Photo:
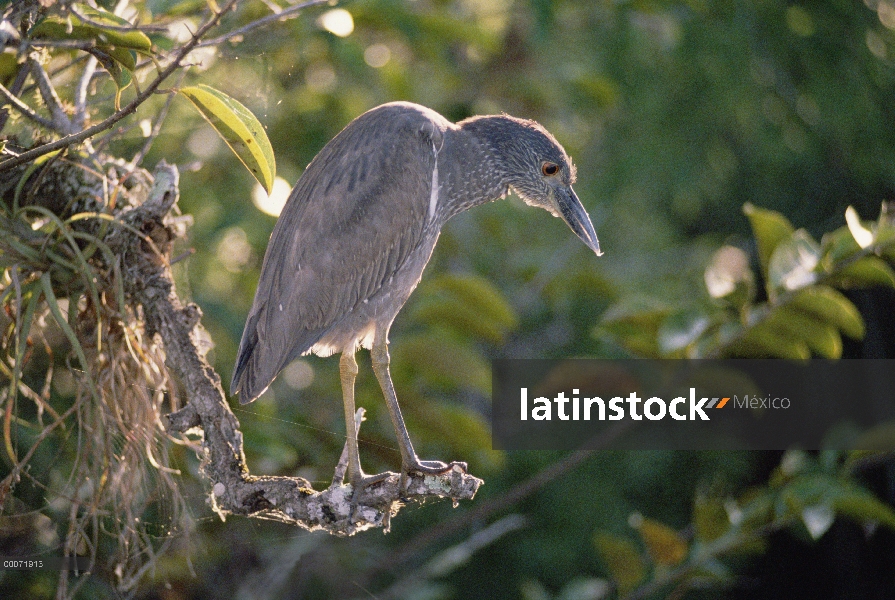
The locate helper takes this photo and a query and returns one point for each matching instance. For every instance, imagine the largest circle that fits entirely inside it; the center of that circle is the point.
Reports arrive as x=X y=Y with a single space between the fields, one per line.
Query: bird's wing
x=352 y=220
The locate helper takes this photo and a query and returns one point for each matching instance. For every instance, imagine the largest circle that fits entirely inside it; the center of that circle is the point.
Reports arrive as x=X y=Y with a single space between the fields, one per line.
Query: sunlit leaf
x=622 y=559
x=818 y=519
x=863 y=236
x=239 y=128
x=793 y=262
x=729 y=276
x=827 y=305
x=770 y=229
x=73 y=28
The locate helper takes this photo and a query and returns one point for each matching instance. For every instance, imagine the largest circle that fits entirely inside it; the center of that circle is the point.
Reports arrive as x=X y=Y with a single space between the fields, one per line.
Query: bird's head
x=537 y=168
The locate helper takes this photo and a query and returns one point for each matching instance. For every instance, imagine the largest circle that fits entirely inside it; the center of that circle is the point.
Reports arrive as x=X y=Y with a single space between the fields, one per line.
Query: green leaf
x=108 y=58
x=664 y=544
x=764 y=341
x=793 y=262
x=622 y=559
x=710 y=519
x=867 y=271
x=842 y=496
x=680 y=329
x=770 y=229
x=73 y=28
x=717 y=338
x=821 y=337
x=757 y=510
x=837 y=246
x=53 y=305
x=827 y=305
x=239 y=128
x=885 y=226
x=9 y=66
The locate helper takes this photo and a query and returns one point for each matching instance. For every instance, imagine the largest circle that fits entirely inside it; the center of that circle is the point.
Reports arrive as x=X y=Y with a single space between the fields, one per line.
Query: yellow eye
x=549 y=169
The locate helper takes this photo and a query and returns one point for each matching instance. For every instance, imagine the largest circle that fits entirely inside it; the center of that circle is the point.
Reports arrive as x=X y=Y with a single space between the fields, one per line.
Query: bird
x=358 y=229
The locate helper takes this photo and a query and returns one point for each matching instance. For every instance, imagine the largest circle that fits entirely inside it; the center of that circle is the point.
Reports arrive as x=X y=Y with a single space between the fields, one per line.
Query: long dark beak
x=576 y=218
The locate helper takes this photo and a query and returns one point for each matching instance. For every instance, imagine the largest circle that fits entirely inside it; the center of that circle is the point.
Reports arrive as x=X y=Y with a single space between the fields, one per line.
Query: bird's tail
x=245 y=380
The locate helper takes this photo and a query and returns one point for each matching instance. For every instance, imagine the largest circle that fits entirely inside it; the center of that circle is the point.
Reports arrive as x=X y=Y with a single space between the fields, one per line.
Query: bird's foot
x=433 y=467
x=362 y=481
x=428 y=467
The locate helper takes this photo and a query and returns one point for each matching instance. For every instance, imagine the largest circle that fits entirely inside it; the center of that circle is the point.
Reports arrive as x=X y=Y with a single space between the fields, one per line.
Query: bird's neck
x=481 y=180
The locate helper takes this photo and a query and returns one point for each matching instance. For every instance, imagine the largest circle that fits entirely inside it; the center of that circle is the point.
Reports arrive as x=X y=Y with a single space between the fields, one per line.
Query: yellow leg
x=409 y=460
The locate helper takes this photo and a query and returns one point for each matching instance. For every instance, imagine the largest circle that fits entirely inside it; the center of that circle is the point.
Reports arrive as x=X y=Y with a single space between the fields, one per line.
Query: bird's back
x=352 y=220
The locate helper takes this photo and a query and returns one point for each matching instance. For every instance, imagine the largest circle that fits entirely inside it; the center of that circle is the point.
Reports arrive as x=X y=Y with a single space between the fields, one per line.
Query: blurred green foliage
x=677 y=113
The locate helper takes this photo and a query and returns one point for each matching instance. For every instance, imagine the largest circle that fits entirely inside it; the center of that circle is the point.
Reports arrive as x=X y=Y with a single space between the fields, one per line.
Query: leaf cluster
x=800 y=312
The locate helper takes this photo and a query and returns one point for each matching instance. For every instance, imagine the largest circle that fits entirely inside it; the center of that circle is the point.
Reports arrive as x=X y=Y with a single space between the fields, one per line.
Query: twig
x=107 y=123
x=284 y=15
x=156 y=127
x=81 y=92
x=73 y=44
x=25 y=110
x=15 y=89
x=61 y=122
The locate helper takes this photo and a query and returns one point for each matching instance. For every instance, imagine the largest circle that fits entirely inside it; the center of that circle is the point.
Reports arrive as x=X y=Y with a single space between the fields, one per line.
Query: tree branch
x=283 y=15
x=75 y=138
x=26 y=110
x=234 y=489
x=51 y=99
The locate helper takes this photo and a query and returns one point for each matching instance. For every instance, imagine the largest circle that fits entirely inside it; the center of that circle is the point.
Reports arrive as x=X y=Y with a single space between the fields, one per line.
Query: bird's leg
x=409 y=459
x=356 y=476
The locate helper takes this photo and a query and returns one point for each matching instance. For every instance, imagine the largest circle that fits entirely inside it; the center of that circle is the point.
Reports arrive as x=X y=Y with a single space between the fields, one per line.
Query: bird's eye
x=549 y=169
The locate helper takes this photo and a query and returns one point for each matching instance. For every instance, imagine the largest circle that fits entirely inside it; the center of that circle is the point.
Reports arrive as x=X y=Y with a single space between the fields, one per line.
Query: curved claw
x=433 y=467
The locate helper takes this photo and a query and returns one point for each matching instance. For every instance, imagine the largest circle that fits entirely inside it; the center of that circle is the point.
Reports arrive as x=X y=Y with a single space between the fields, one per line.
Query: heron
x=358 y=229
